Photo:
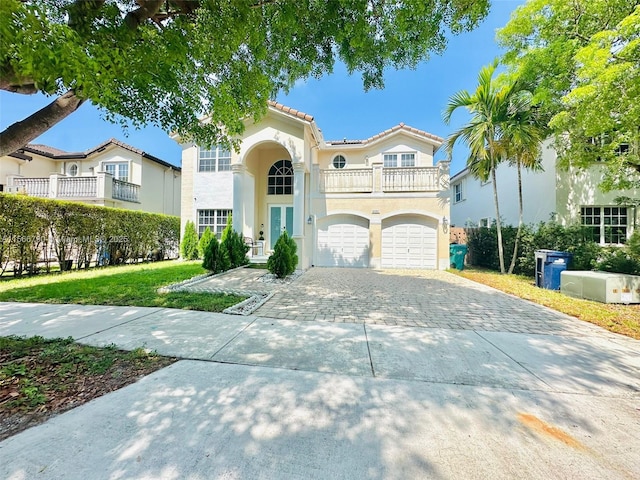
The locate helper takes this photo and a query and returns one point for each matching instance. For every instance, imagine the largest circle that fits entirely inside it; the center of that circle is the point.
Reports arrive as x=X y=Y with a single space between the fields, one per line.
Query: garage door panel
x=408 y=245
x=343 y=245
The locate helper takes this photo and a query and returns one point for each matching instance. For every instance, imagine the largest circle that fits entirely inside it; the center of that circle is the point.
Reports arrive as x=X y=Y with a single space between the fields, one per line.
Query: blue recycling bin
x=549 y=265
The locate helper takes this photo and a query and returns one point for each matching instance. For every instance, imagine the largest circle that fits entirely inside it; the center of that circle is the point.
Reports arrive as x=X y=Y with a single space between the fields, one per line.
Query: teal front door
x=280 y=218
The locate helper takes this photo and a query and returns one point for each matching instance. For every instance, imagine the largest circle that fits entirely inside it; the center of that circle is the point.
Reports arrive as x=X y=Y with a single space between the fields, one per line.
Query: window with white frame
x=390 y=160
x=408 y=160
x=72 y=169
x=457 y=192
x=119 y=171
x=215 y=219
x=215 y=159
x=485 y=222
x=608 y=225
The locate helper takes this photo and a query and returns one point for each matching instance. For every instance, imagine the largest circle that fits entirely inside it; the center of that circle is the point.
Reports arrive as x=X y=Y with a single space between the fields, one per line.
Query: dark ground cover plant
x=40 y=378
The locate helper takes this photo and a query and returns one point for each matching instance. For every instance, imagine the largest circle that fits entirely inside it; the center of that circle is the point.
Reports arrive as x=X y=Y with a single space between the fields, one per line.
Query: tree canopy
x=582 y=61
x=168 y=62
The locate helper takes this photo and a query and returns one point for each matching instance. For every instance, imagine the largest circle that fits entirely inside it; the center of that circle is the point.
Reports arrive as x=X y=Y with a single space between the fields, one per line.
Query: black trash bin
x=549 y=264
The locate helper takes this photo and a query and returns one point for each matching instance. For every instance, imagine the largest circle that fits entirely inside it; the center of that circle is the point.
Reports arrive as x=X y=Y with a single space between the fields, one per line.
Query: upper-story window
x=119 y=171
x=457 y=193
x=391 y=160
x=280 y=178
x=72 y=170
x=339 y=161
x=216 y=159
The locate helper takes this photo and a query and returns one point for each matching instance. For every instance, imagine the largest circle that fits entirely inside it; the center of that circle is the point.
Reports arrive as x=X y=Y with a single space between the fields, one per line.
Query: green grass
x=131 y=285
x=623 y=319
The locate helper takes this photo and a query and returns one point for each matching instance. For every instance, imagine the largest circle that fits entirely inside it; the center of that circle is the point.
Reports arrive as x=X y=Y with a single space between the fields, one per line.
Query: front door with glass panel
x=280 y=218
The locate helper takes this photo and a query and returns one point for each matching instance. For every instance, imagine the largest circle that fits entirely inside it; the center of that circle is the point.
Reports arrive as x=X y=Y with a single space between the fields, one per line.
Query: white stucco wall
x=538 y=194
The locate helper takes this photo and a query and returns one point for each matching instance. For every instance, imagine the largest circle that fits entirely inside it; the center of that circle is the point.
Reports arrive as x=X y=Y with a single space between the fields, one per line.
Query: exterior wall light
x=310 y=220
x=445 y=224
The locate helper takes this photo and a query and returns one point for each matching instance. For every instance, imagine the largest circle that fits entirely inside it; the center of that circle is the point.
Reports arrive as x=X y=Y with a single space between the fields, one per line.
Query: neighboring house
x=112 y=174
x=379 y=202
x=569 y=196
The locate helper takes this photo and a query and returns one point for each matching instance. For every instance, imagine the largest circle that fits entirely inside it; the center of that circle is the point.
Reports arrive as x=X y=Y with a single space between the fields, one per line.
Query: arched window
x=72 y=170
x=280 y=179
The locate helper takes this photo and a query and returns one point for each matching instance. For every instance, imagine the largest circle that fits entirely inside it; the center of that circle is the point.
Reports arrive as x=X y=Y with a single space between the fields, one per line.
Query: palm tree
x=523 y=134
x=490 y=108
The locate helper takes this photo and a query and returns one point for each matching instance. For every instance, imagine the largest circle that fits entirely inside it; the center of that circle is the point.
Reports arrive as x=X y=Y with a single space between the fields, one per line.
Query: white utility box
x=602 y=287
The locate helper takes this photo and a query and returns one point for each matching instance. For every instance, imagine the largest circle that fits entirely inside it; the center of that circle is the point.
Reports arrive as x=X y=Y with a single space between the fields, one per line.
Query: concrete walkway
x=280 y=398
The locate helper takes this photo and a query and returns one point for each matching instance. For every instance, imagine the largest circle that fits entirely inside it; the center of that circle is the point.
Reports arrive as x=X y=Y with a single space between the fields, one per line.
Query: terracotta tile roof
x=58 y=154
x=291 y=111
x=400 y=126
x=46 y=149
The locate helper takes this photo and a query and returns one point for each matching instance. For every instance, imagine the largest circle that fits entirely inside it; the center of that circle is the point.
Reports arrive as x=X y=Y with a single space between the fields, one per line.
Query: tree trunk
x=520 y=215
x=498 y=226
x=20 y=133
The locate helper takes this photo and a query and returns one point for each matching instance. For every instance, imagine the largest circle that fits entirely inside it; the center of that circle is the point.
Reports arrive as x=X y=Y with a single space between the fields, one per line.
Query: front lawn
x=623 y=319
x=40 y=378
x=130 y=285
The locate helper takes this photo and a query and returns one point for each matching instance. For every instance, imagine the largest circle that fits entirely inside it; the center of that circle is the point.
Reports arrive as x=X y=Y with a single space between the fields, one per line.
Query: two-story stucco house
x=379 y=202
x=112 y=174
x=570 y=197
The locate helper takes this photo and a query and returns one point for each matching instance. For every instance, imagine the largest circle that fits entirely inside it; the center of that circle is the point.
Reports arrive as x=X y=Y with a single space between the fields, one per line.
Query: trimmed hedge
x=35 y=232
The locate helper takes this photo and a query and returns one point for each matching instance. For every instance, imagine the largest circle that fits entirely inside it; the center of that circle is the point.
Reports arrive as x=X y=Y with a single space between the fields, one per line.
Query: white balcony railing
x=346 y=180
x=126 y=191
x=378 y=179
x=410 y=179
x=77 y=187
x=101 y=186
x=35 y=187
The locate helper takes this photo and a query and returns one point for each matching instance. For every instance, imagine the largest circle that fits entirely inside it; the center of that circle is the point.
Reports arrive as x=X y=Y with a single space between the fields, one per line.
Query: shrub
x=283 y=260
x=618 y=260
x=204 y=241
x=233 y=244
x=189 y=244
x=216 y=259
x=483 y=250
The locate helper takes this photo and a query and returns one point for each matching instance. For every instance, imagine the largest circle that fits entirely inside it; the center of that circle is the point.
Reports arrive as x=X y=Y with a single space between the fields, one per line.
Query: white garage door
x=409 y=245
x=343 y=245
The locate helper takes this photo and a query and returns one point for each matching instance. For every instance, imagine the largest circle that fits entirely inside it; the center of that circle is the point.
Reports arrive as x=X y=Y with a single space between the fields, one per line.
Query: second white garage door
x=342 y=245
x=409 y=245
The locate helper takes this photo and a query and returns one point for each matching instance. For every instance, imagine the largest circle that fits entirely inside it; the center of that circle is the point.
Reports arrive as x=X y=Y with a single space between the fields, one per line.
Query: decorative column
x=238 y=197
x=298 y=200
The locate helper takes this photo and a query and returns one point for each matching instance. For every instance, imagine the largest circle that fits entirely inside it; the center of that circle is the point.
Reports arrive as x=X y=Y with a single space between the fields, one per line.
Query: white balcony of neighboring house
x=380 y=179
x=101 y=186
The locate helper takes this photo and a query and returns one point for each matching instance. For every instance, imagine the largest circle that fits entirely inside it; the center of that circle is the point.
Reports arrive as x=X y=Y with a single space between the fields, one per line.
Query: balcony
x=100 y=187
x=349 y=181
x=386 y=180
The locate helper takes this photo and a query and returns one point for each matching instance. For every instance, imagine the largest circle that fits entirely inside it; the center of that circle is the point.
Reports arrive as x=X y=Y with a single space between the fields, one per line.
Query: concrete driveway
x=467 y=383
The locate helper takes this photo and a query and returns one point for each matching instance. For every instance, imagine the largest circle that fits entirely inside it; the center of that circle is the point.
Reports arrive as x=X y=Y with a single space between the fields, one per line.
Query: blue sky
x=338 y=102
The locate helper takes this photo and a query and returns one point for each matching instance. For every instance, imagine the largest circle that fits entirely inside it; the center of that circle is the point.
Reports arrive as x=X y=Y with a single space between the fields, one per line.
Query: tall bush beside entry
x=189 y=244
x=204 y=241
x=216 y=259
x=283 y=260
x=233 y=243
